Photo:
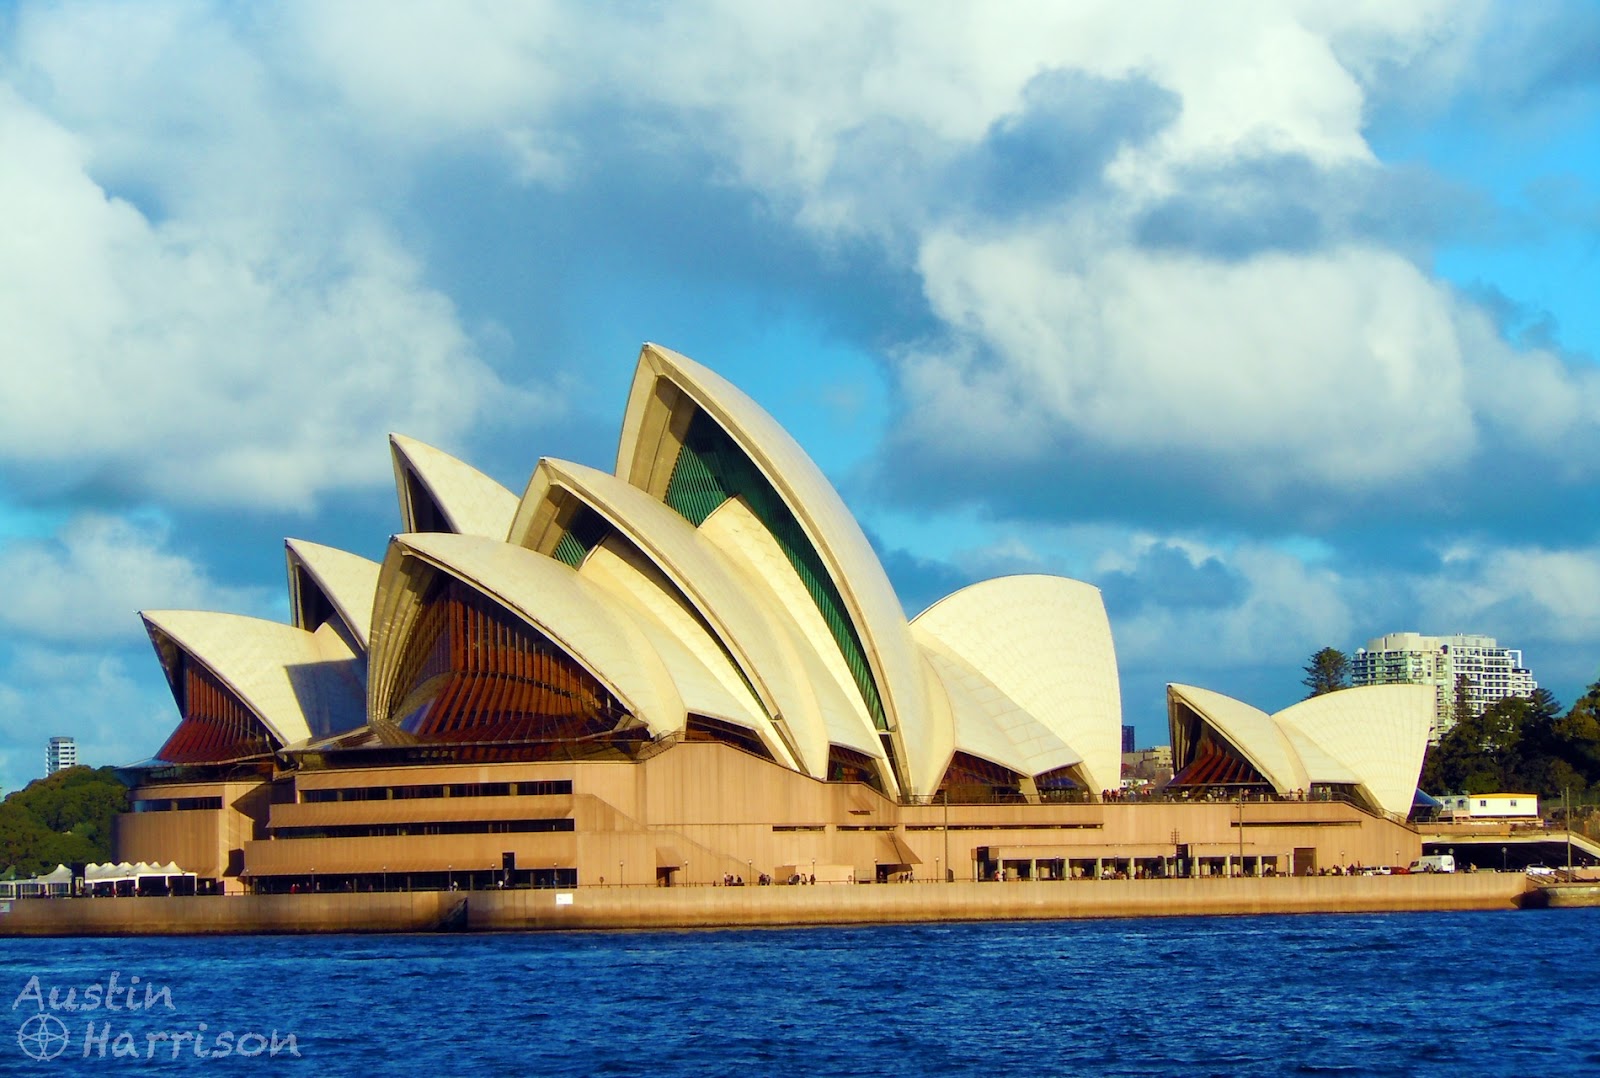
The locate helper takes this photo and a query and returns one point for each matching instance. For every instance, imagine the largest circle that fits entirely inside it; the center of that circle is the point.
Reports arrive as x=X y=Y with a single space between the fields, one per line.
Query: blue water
x=1452 y=994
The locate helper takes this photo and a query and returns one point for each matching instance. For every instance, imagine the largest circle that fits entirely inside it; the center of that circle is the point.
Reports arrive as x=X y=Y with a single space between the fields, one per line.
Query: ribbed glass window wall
x=476 y=672
x=217 y=727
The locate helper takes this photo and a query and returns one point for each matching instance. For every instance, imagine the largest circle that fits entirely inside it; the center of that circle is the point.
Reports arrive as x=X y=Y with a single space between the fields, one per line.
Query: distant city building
x=62 y=752
x=1127 y=739
x=1147 y=766
x=1491 y=672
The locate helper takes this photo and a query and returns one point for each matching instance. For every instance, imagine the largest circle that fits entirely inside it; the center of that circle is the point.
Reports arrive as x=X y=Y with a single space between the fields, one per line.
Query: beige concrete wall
x=725 y=907
x=719 y=811
x=227 y=914
x=460 y=853
x=207 y=842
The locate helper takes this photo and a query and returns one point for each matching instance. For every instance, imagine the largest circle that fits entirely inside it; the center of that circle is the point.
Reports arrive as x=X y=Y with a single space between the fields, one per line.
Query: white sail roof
x=1251 y=731
x=1377 y=732
x=1045 y=642
x=1372 y=738
x=298 y=684
x=349 y=582
x=648 y=450
x=991 y=725
x=739 y=614
x=470 y=502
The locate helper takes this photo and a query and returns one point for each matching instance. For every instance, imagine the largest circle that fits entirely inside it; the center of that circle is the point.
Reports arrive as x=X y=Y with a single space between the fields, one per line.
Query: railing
x=1166 y=796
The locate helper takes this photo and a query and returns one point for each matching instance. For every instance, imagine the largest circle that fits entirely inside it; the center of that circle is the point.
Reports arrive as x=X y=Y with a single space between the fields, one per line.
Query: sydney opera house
x=695 y=669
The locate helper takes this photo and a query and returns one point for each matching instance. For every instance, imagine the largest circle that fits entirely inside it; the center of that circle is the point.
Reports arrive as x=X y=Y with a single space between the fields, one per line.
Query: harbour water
x=1444 y=994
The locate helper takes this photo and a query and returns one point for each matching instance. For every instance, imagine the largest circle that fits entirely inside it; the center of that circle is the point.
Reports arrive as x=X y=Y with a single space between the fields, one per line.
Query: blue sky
x=1275 y=322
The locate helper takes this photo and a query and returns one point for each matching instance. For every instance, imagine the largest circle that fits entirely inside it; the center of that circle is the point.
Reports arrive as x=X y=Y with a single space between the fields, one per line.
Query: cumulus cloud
x=86 y=584
x=1153 y=235
x=1525 y=593
x=1258 y=606
x=1340 y=369
x=1166 y=574
x=1240 y=295
x=207 y=335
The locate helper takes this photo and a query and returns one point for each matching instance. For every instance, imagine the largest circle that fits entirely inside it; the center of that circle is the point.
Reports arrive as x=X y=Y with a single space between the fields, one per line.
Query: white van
x=1434 y=862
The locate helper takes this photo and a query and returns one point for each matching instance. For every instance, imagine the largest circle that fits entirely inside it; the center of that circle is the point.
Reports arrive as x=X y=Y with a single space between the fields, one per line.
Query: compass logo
x=129 y=1018
x=43 y=1037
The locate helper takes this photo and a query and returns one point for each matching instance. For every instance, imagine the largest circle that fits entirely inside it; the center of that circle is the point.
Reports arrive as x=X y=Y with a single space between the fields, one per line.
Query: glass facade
x=217 y=727
x=473 y=671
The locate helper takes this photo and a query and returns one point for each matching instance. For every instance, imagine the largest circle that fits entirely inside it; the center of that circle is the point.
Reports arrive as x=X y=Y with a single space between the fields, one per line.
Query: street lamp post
x=1503 y=859
x=947 y=832
x=619 y=873
x=1240 y=872
x=1566 y=814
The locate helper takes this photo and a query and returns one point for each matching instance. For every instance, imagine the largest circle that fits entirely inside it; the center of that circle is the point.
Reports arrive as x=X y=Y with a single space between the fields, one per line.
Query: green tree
x=1576 y=737
x=1328 y=671
x=1463 y=700
x=60 y=819
x=1520 y=744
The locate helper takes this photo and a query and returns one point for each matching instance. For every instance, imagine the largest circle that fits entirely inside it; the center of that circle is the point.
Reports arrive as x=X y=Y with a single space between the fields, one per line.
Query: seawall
x=743 y=907
x=1564 y=895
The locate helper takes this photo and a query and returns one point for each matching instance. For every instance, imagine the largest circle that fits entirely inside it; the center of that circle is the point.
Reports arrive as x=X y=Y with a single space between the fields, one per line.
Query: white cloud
x=1285 y=611
x=1521 y=593
x=87 y=583
x=424 y=73
x=1532 y=399
x=775 y=91
x=267 y=353
x=249 y=330
x=1342 y=369
x=116 y=718
x=1543 y=601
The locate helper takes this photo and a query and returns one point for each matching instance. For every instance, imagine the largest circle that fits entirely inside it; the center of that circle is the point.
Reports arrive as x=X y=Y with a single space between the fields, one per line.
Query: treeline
x=60 y=819
x=1521 y=745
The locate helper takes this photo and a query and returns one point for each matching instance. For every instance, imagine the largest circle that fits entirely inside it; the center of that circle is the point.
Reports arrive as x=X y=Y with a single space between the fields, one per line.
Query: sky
x=1276 y=322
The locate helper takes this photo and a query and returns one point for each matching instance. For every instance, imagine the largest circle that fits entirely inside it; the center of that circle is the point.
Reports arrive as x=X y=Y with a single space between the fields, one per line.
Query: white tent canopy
x=57 y=881
x=112 y=873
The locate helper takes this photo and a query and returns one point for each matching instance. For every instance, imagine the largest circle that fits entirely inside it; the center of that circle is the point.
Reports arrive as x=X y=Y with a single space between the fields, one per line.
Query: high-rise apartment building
x=62 y=752
x=1491 y=672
